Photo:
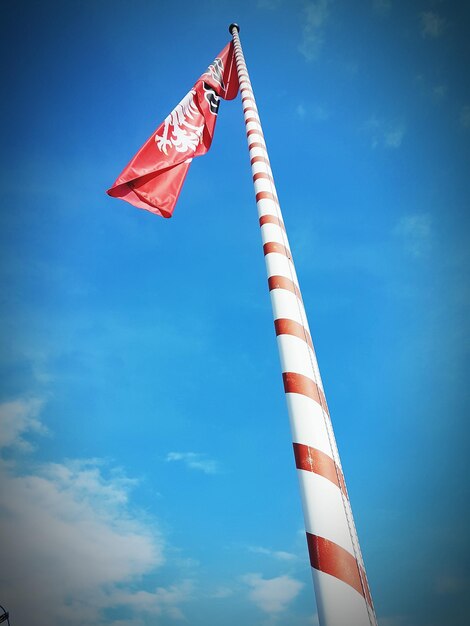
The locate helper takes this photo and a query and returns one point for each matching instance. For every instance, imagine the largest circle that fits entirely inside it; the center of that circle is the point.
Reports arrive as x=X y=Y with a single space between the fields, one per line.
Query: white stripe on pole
x=341 y=588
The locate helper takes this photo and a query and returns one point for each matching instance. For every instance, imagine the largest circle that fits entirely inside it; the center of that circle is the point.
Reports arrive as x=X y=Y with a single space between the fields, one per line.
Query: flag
x=154 y=177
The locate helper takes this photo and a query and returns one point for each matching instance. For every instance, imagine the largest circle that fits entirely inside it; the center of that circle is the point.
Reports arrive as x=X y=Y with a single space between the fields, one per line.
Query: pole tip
x=232 y=26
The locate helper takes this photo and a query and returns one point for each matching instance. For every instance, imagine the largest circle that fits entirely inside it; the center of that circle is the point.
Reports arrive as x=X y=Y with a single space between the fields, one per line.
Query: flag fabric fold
x=155 y=175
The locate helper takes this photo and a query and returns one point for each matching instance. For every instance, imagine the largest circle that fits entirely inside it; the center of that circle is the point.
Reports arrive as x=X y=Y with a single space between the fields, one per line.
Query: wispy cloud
x=384 y=134
x=280 y=555
x=195 y=461
x=394 y=137
x=432 y=25
x=17 y=419
x=221 y=592
x=450 y=584
x=316 y=112
x=161 y=601
x=316 y=14
x=430 y=88
x=272 y=595
x=73 y=544
x=272 y=5
x=415 y=232
x=382 y=6
x=439 y=91
x=465 y=116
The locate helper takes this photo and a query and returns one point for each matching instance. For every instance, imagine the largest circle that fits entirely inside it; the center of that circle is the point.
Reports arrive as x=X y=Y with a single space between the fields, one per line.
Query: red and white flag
x=154 y=177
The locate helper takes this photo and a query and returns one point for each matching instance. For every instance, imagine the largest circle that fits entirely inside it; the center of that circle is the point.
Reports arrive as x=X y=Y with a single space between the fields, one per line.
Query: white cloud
x=195 y=460
x=431 y=24
x=316 y=14
x=17 y=419
x=280 y=555
x=272 y=595
x=161 y=601
x=73 y=544
x=415 y=232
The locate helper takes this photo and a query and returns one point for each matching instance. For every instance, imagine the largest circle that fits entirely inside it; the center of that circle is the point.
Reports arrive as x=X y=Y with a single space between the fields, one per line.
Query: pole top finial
x=232 y=26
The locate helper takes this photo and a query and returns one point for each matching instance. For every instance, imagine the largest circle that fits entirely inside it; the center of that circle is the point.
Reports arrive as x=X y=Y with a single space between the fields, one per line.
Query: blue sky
x=147 y=467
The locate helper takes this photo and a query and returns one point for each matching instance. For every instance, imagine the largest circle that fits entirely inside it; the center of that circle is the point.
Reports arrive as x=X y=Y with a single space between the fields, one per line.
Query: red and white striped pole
x=341 y=588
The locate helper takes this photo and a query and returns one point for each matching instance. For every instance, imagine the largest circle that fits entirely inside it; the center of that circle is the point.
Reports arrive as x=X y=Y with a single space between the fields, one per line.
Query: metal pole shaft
x=340 y=582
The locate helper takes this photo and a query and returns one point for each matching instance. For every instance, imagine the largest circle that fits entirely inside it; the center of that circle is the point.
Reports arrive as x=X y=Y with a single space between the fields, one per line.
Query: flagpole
x=339 y=576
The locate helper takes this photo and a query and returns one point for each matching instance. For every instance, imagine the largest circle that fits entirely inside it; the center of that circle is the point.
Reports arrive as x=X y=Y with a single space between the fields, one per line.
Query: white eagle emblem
x=184 y=135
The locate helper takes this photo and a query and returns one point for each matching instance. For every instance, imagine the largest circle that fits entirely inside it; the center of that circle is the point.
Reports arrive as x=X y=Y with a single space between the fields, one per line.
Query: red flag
x=154 y=177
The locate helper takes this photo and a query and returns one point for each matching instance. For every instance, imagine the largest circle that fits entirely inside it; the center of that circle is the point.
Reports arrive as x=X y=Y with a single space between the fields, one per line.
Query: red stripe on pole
x=266 y=195
x=263 y=175
x=256 y=144
x=271 y=219
x=313 y=460
x=246 y=109
x=298 y=383
x=259 y=159
x=285 y=326
x=252 y=119
x=330 y=558
x=274 y=246
x=254 y=131
x=281 y=282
